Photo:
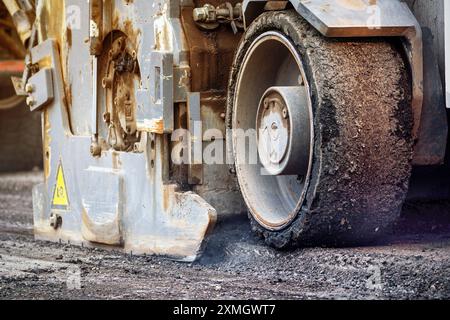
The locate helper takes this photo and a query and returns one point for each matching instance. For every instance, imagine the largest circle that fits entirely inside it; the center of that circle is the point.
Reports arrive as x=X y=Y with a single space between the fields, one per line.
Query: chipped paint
x=47 y=139
x=163 y=31
x=152 y=126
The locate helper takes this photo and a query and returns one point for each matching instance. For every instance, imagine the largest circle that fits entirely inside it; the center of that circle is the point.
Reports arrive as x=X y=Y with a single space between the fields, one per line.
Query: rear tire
x=360 y=95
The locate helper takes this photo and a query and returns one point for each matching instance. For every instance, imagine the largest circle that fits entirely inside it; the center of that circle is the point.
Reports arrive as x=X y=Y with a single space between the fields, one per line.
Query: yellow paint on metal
x=60 y=197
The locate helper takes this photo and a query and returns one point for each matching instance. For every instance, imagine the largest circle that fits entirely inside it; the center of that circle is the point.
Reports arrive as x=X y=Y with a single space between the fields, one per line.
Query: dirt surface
x=412 y=263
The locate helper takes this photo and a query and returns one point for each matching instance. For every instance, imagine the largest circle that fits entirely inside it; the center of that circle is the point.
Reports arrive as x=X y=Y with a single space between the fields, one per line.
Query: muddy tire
x=359 y=93
x=20 y=135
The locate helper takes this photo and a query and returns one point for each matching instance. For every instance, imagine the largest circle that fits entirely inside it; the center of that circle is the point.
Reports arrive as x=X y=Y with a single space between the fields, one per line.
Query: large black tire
x=361 y=92
x=20 y=135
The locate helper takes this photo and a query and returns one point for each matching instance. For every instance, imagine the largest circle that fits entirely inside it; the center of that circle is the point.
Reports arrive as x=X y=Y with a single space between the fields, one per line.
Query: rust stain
x=46 y=62
x=210 y=53
x=116 y=162
x=166 y=197
x=118 y=88
x=53 y=26
x=152 y=126
x=132 y=33
x=125 y=26
x=69 y=37
x=157 y=126
x=53 y=20
x=46 y=144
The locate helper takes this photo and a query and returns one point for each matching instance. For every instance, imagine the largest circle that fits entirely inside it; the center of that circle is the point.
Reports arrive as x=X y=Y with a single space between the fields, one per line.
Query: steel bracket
x=40 y=89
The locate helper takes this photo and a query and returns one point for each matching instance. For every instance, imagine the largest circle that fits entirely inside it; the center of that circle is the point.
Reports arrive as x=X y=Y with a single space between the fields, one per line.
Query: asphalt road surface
x=413 y=263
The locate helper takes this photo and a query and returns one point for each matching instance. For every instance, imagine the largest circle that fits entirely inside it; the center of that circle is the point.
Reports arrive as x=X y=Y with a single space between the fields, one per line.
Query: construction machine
x=158 y=116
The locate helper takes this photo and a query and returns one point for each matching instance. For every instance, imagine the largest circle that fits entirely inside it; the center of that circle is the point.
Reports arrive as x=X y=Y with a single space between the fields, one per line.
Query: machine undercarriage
x=159 y=115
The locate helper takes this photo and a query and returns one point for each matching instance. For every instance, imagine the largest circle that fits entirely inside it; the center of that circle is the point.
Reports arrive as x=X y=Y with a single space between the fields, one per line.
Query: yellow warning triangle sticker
x=60 y=198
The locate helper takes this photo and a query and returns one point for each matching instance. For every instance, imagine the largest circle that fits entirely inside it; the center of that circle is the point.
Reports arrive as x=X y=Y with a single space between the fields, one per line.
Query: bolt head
x=199 y=14
x=30 y=101
x=95 y=149
x=29 y=88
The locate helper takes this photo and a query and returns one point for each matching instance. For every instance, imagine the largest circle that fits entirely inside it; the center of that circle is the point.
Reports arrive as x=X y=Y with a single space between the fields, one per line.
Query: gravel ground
x=414 y=263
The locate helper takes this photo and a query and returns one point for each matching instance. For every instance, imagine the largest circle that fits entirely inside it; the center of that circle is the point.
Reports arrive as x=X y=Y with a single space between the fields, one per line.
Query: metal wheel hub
x=280 y=120
x=273 y=99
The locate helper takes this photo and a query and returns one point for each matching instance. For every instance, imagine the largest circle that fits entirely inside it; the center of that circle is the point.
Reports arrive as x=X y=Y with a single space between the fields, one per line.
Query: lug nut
x=207 y=13
x=200 y=14
x=55 y=220
x=29 y=88
x=30 y=101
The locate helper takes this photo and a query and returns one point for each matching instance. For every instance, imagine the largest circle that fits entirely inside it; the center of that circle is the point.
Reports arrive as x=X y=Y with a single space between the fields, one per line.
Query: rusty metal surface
x=145 y=210
x=119 y=73
x=96 y=26
x=212 y=49
x=153 y=211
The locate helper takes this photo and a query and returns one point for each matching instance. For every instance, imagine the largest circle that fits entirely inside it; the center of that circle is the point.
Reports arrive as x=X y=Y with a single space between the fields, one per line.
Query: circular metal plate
x=273 y=66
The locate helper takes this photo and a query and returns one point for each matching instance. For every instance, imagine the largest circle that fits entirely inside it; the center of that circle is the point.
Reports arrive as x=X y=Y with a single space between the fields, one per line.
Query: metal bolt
x=55 y=220
x=96 y=150
x=200 y=14
x=107 y=83
x=137 y=147
x=274 y=126
x=285 y=113
x=29 y=88
x=30 y=101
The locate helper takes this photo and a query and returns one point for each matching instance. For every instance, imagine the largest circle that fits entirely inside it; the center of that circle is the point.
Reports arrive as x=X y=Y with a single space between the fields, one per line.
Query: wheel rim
x=272 y=113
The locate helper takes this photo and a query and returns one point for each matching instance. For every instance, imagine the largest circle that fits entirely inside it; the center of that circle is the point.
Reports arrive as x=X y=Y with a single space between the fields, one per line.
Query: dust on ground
x=413 y=263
